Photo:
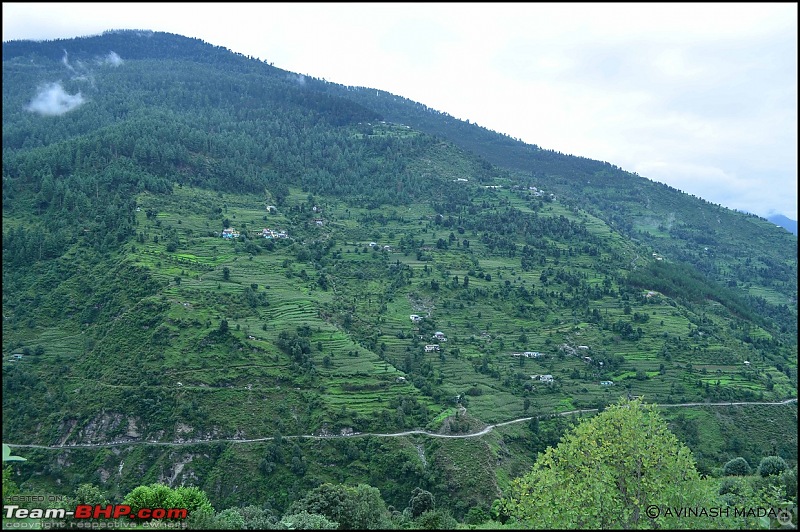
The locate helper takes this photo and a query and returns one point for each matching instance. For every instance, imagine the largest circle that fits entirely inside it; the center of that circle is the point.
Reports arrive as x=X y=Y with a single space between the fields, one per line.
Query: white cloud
x=53 y=100
x=112 y=59
x=65 y=60
x=297 y=78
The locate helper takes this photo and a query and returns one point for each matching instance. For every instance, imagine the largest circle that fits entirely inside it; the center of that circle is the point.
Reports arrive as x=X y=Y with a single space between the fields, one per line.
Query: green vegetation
x=624 y=469
x=620 y=468
x=606 y=473
x=555 y=283
x=737 y=466
x=771 y=465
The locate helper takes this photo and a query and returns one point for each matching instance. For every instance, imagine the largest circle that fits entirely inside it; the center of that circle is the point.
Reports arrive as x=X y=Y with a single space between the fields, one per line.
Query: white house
x=271 y=233
x=415 y=318
x=439 y=335
x=606 y=383
x=431 y=347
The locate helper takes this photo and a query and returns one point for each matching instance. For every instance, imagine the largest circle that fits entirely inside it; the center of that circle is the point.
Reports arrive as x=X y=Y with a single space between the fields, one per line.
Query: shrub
x=771 y=465
x=230 y=519
x=307 y=521
x=738 y=466
x=421 y=501
x=790 y=482
x=435 y=520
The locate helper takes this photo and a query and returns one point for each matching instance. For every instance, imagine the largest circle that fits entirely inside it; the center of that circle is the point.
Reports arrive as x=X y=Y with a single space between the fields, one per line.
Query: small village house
x=230 y=233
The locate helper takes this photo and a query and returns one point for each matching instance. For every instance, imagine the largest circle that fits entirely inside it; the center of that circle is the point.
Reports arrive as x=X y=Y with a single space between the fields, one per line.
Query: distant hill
x=787 y=223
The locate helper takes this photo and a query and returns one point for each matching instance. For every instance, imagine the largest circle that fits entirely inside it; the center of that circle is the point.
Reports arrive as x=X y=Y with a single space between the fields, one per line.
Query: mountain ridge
x=785 y=222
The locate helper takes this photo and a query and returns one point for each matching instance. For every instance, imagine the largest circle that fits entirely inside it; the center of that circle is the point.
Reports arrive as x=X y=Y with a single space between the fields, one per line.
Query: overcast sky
x=700 y=96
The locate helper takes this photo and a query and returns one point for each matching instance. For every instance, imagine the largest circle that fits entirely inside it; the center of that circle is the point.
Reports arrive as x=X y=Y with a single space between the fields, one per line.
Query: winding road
x=479 y=433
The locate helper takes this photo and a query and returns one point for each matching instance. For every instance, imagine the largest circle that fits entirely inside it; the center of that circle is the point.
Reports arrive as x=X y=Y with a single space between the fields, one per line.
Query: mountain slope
x=673 y=223
x=135 y=320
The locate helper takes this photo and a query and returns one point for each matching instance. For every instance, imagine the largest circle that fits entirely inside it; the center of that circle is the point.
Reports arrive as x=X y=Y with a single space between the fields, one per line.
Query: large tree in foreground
x=621 y=469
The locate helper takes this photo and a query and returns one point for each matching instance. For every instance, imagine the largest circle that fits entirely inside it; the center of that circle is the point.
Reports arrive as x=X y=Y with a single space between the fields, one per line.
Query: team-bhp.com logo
x=115 y=511
x=94 y=511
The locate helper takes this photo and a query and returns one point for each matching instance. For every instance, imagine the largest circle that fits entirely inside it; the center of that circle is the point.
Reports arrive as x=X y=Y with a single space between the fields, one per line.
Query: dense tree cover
x=683 y=281
x=253 y=132
x=353 y=508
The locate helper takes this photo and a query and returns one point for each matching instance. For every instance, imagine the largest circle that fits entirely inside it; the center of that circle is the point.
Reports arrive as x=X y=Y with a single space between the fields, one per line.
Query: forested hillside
x=200 y=249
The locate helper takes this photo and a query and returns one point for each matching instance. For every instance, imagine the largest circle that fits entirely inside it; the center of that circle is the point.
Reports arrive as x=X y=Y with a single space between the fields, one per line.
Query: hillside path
x=479 y=433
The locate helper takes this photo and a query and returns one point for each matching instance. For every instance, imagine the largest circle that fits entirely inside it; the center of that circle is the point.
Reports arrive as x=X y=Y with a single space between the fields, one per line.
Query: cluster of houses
x=375 y=245
x=539 y=193
x=271 y=233
x=231 y=233
x=438 y=335
x=528 y=354
x=548 y=379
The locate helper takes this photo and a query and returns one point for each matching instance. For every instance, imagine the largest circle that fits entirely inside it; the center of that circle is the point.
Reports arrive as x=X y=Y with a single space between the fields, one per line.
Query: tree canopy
x=609 y=472
x=354 y=508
